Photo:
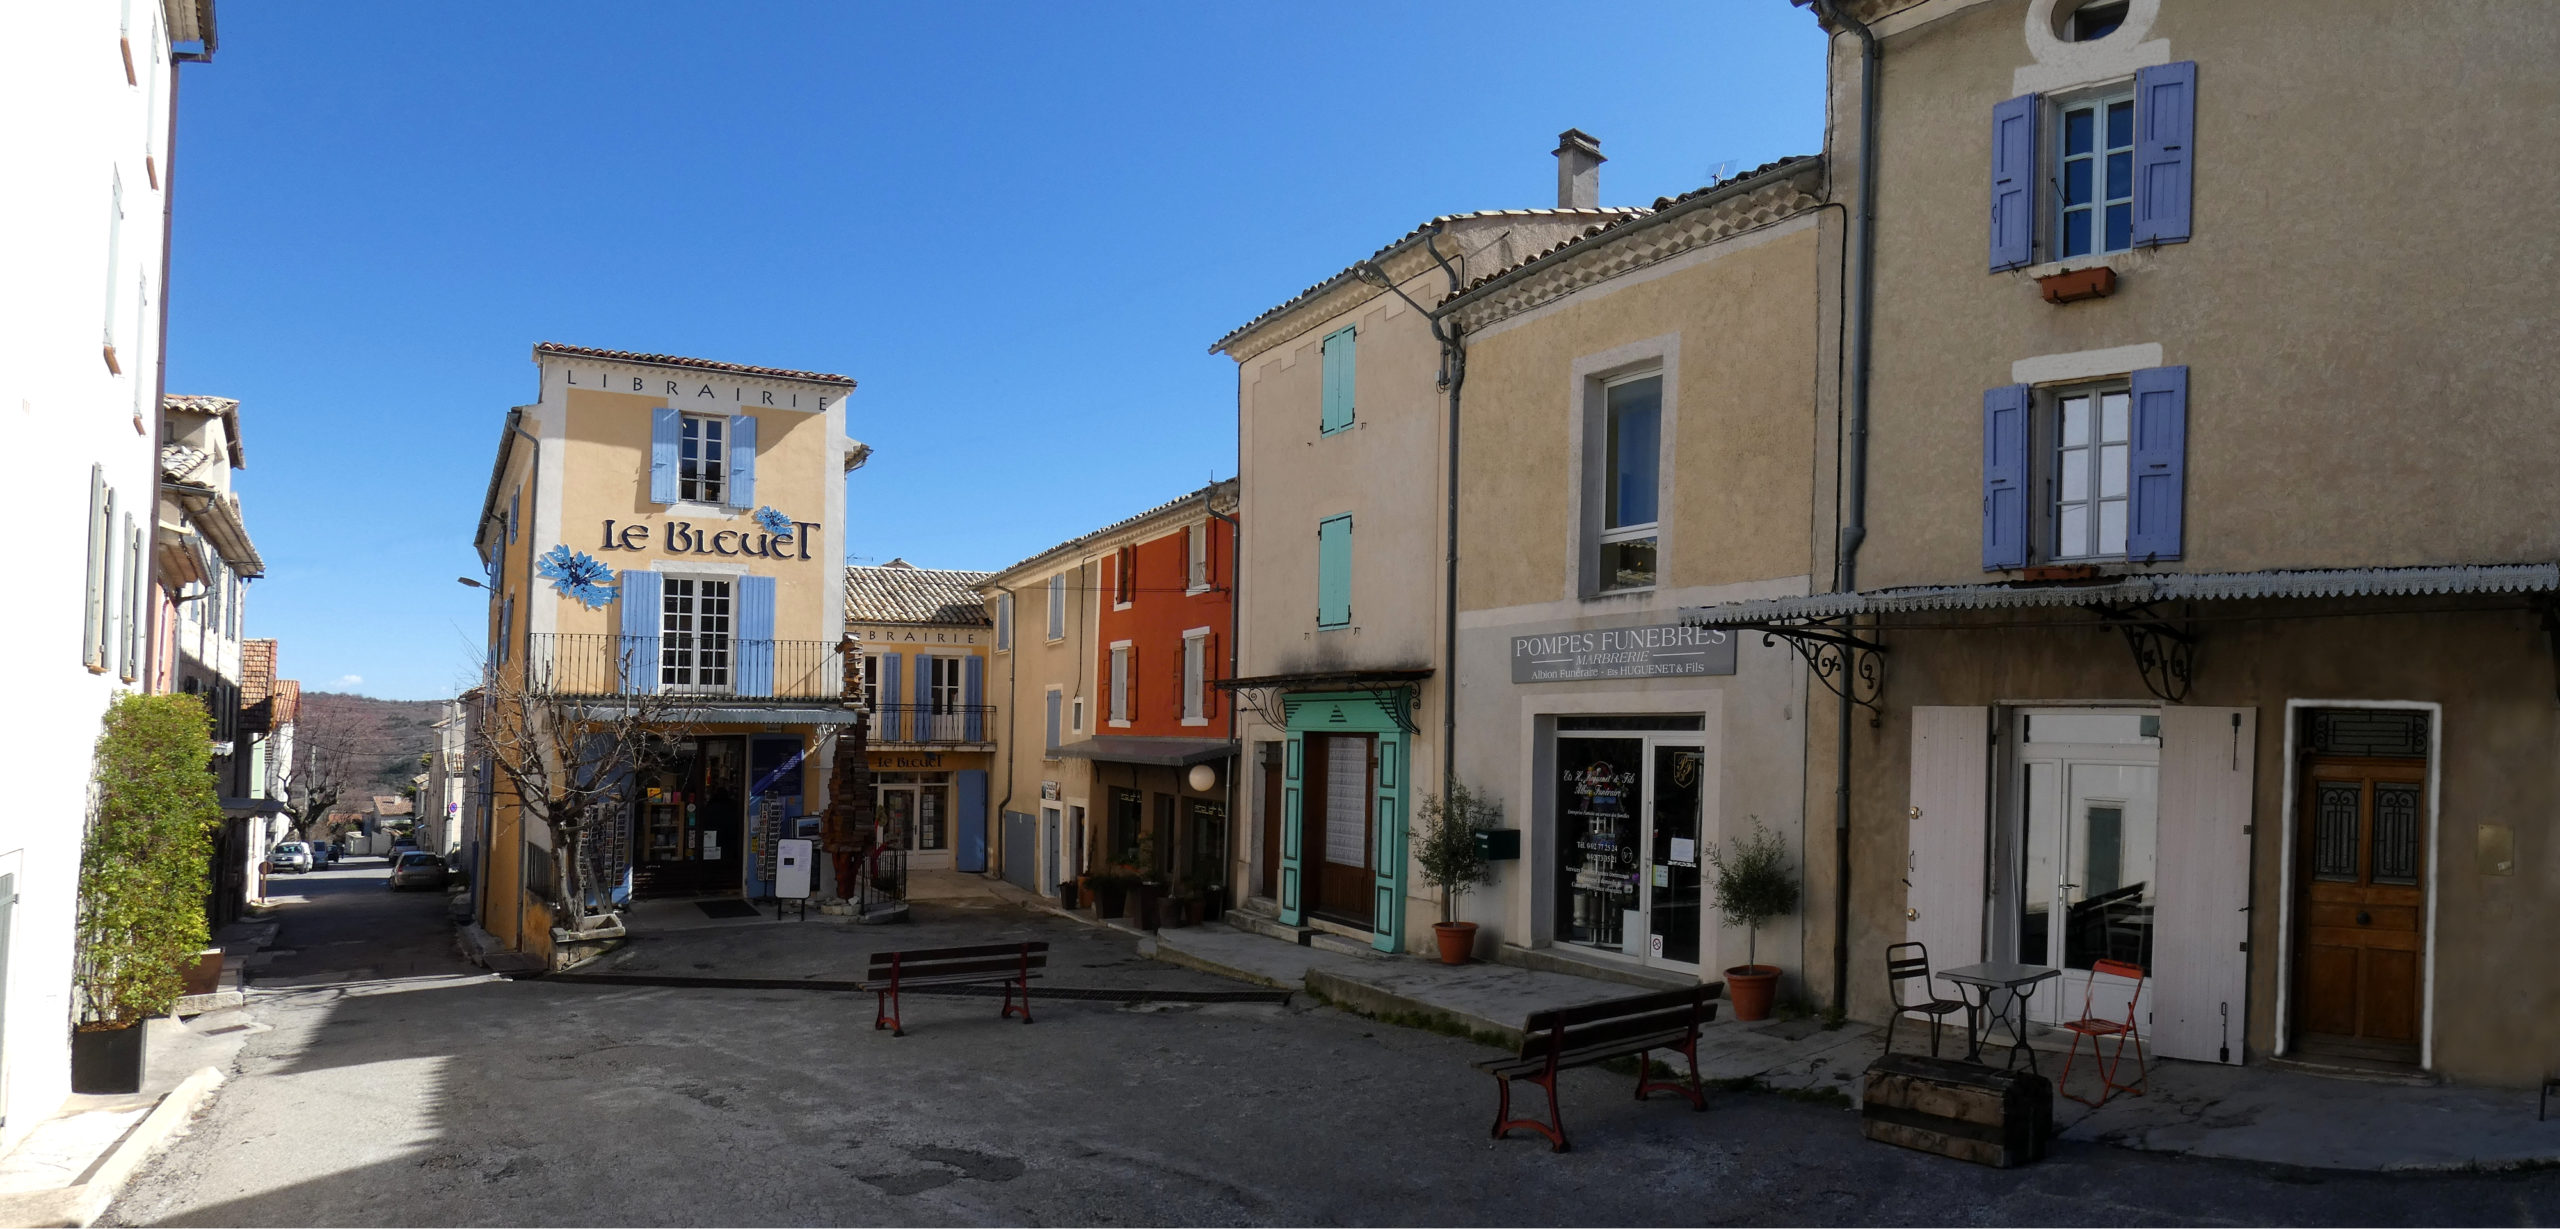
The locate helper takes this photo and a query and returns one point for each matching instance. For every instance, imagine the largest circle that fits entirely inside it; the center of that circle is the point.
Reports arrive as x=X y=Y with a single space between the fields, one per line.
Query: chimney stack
x=1577 y=169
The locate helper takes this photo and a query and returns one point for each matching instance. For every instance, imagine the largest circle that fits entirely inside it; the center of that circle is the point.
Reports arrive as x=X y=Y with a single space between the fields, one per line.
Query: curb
x=1393 y=1008
x=83 y=1203
x=1158 y=949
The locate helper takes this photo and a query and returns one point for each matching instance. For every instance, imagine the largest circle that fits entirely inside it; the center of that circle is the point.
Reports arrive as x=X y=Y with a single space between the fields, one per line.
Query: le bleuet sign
x=687 y=538
x=1662 y=651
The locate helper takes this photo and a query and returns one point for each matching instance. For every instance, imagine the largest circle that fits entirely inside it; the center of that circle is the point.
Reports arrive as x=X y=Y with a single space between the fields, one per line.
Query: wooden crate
x=1959 y=1109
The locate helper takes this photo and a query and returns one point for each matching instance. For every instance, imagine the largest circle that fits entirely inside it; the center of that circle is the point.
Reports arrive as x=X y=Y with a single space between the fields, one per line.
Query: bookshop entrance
x=692 y=806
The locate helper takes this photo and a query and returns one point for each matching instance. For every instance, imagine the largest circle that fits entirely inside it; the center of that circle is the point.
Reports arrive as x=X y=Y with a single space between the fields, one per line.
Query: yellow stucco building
x=668 y=527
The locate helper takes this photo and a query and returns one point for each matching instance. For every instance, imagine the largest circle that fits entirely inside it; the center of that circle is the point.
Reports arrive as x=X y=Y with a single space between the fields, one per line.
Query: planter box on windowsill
x=2094 y=282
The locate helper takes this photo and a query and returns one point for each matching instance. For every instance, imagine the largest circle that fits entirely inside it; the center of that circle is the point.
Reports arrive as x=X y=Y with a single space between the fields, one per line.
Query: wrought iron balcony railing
x=930 y=724
x=717 y=668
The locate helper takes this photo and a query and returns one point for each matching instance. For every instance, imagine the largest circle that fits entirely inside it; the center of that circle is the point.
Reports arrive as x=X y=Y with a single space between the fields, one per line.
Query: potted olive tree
x=1753 y=887
x=143 y=879
x=1446 y=851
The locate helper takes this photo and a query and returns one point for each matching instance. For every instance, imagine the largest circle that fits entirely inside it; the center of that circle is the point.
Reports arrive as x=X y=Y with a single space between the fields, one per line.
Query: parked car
x=290 y=856
x=414 y=869
x=321 y=857
x=401 y=845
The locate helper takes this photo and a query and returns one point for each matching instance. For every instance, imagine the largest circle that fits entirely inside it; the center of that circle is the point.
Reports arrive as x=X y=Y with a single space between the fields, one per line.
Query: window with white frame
x=1195 y=675
x=1058 y=606
x=1630 y=476
x=2093 y=175
x=1196 y=540
x=1075 y=715
x=942 y=688
x=694 y=631
x=871 y=682
x=704 y=459
x=1123 y=668
x=2092 y=465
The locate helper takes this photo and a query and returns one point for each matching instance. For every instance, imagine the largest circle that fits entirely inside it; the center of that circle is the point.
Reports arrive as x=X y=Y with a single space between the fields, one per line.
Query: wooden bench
x=1011 y=965
x=1565 y=1037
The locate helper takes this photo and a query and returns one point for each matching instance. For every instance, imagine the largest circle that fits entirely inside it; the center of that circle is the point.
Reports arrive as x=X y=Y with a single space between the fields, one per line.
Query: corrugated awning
x=1148 y=749
x=2137 y=590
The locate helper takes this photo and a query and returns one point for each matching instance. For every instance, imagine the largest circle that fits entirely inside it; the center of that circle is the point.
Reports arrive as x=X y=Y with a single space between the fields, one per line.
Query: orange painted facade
x=1153 y=600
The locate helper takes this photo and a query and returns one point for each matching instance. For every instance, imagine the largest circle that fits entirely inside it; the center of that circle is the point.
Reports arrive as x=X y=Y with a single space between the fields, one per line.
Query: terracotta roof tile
x=257 y=671
x=703 y=364
x=1221 y=493
x=900 y=592
x=1661 y=205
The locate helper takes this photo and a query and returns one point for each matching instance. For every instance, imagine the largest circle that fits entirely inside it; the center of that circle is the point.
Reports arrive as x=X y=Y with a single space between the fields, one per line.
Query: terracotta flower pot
x=1751 y=988
x=1457 y=941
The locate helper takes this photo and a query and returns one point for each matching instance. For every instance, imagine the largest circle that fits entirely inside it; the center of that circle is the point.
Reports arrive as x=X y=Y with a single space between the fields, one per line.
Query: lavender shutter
x=666 y=436
x=754 y=641
x=892 y=727
x=2013 y=183
x=641 y=596
x=973 y=686
x=2164 y=133
x=2156 y=512
x=2004 y=478
x=742 y=461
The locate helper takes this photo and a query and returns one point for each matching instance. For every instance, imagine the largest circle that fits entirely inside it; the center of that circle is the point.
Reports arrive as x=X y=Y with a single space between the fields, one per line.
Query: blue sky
x=1018 y=228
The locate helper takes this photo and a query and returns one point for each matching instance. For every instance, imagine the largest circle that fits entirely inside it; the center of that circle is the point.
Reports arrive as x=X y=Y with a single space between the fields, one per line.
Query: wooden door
x=1271 y=818
x=1341 y=789
x=2362 y=945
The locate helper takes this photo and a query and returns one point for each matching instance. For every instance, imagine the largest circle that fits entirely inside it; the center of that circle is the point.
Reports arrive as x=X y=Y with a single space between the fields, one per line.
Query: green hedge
x=144 y=866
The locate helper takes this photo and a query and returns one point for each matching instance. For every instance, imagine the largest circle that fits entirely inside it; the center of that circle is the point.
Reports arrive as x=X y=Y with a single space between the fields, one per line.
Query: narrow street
x=390 y=1083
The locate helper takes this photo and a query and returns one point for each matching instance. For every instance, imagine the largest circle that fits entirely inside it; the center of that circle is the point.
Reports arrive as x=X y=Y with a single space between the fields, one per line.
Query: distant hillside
x=369 y=746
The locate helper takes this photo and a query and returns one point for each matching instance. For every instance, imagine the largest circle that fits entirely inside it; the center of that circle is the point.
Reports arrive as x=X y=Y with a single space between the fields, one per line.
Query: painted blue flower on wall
x=577 y=574
x=774 y=522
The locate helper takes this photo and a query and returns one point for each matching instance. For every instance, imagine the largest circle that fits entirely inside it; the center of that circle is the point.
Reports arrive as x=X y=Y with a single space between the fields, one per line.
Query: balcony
x=717 y=668
x=928 y=725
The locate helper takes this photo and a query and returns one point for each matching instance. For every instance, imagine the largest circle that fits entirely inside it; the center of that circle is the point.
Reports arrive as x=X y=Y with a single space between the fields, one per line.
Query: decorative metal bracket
x=1850 y=665
x=1263 y=702
x=1399 y=700
x=2165 y=655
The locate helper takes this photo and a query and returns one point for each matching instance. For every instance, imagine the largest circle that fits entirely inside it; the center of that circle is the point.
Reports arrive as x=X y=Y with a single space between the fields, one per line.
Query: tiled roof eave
x=690 y=364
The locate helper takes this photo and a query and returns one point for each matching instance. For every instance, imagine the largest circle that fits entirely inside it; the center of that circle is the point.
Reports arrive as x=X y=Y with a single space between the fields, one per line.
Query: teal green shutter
x=1292 y=810
x=1333 y=572
x=1340 y=379
x=1386 y=924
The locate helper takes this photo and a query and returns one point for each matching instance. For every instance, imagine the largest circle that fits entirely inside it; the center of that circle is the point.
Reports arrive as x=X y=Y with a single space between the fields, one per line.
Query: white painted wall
x=65 y=411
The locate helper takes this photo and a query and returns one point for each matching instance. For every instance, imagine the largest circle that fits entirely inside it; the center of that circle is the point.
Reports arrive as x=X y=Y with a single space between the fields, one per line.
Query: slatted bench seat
x=1561 y=1038
x=1011 y=965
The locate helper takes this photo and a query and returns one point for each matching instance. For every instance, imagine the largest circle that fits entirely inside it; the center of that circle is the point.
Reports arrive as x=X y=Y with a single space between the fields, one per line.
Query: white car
x=290 y=856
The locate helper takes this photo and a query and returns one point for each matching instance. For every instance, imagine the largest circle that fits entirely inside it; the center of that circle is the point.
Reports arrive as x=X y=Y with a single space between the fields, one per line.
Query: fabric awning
x=2136 y=590
x=1147 y=749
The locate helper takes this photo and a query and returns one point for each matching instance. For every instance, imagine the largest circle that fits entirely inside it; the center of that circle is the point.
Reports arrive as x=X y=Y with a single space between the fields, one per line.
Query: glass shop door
x=1630 y=816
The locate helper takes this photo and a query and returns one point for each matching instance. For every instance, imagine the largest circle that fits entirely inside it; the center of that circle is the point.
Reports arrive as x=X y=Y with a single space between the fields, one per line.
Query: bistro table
x=1978 y=982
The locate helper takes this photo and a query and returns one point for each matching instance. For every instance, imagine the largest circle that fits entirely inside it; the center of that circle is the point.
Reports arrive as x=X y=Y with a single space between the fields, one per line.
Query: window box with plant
x=1753 y=888
x=143 y=880
x=1446 y=851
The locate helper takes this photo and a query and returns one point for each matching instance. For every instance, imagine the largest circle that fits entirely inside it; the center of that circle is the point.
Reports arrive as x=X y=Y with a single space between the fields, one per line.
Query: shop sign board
x=1663 y=650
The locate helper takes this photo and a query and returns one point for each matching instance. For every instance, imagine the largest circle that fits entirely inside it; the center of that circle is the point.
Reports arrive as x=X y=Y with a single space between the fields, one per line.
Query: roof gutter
x=1853 y=518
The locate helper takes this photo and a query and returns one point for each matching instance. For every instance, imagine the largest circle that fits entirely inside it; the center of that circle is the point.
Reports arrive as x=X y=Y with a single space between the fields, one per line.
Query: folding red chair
x=2088 y=1026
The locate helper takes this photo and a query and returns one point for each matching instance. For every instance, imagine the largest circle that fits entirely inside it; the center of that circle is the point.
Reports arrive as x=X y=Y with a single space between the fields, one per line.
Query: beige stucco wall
x=2491 y=669
x=1020 y=677
x=1742 y=330
x=2362 y=305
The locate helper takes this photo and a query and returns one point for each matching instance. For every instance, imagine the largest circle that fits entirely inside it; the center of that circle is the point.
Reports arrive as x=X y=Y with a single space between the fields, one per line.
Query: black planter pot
x=1110 y=902
x=107 y=1060
x=1150 y=906
x=1068 y=897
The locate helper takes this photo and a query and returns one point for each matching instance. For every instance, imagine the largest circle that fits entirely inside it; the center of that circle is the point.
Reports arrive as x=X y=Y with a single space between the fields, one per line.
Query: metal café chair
x=2089 y=1028
x=1900 y=969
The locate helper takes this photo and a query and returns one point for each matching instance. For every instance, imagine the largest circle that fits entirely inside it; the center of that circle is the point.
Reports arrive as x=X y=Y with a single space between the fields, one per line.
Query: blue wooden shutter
x=1293 y=807
x=666 y=440
x=2156 y=512
x=1333 y=573
x=753 y=644
x=2013 y=183
x=973 y=683
x=2004 y=478
x=641 y=594
x=1340 y=378
x=2164 y=169
x=969 y=809
x=892 y=729
x=1054 y=698
x=742 y=461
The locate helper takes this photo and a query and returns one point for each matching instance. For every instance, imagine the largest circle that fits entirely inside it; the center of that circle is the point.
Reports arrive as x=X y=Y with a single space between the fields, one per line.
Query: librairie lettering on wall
x=608 y=382
x=687 y=538
x=1662 y=651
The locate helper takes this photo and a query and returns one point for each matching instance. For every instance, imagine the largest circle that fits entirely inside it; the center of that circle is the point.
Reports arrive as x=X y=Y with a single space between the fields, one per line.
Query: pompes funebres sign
x=687 y=538
x=1663 y=651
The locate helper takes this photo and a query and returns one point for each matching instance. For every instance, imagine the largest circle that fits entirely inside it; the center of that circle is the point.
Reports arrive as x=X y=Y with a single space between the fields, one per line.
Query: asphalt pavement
x=395 y=1084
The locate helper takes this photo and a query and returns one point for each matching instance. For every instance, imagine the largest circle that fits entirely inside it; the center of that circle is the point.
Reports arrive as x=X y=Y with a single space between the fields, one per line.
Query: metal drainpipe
x=1853 y=526
x=533 y=486
x=151 y=651
x=1012 y=710
x=1235 y=601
